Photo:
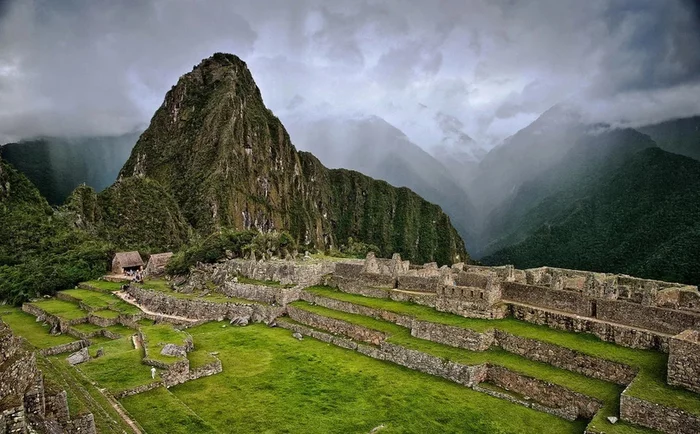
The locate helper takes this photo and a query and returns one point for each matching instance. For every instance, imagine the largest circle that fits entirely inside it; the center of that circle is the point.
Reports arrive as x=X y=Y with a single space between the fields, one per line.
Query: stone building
x=157 y=262
x=126 y=261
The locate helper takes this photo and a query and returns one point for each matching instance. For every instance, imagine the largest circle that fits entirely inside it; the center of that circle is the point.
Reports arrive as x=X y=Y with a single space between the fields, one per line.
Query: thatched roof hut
x=126 y=261
x=157 y=262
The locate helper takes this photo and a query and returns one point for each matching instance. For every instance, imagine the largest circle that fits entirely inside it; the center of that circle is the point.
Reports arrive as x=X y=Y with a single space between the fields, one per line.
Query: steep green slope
x=229 y=162
x=642 y=219
x=545 y=197
x=680 y=136
x=372 y=146
x=58 y=165
x=134 y=213
x=40 y=250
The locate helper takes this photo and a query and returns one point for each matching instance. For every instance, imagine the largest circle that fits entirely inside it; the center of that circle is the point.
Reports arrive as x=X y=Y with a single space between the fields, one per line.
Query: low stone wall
x=61 y=324
x=285 y=272
x=684 y=360
x=429 y=364
x=470 y=308
x=565 y=358
x=659 y=417
x=619 y=334
x=60 y=295
x=453 y=336
x=261 y=293
x=344 y=306
x=102 y=321
x=64 y=348
x=551 y=395
x=662 y=320
x=138 y=389
x=333 y=325
x=566 y=301
x=201 y=309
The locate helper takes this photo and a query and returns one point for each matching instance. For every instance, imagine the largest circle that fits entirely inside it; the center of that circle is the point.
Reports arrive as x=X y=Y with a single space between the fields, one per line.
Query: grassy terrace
x=650 y=385
x=26 y=325
x=105 y=285
x=606 y=392
x=60 y=308
x=313 y=387
x=157 y=336
x=162 y=286
x=120 y=367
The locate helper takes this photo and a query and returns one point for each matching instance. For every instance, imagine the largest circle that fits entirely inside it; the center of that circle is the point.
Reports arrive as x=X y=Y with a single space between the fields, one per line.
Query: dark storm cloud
x=90 y=67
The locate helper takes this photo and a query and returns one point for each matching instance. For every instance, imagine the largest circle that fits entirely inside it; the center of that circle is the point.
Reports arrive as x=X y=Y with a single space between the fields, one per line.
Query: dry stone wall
x=565 y=358
x=684 y=360
x=337 y=326
x=203 y=310
x=622 y=335
x=659 y=417
x=668 y=321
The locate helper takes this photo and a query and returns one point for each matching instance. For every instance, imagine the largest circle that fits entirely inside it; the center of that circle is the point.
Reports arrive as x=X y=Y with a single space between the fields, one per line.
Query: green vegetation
x=40 y=250
x=26 y=325
x=157 y=336
x=60 y=308
x=105 y=285
x=313 y=387
x=650 y=383
x=83 y=396
x=120 y=368
x=639 y=218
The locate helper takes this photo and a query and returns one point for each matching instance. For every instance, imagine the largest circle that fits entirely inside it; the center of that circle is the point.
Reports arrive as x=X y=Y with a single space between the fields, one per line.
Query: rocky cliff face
x=228 y=161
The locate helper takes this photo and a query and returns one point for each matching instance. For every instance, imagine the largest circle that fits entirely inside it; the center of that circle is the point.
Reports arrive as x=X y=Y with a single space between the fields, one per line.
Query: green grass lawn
x=60 y=308
x=120 y=368
x=270 y=283
x=105 y=285
x=96 y=300
x=107 y=313
x=83 y=396
x=273 y=383
x=650 y=385
x=87 y=327
x=25 y=325
x=157 y=336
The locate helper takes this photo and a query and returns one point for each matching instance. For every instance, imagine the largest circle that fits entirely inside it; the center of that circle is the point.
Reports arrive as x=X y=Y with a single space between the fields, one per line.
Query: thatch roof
x=159 y=259
x=128 y=259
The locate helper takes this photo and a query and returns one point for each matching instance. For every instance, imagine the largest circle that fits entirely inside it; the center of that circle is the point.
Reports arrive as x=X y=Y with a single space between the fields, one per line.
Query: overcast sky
x=74 y=67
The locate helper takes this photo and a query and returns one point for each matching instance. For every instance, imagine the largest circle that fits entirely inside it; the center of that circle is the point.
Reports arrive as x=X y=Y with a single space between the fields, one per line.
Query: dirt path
x=129 y=299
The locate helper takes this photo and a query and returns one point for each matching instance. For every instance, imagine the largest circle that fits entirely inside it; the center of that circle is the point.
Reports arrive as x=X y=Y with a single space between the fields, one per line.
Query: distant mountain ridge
x=57 y=165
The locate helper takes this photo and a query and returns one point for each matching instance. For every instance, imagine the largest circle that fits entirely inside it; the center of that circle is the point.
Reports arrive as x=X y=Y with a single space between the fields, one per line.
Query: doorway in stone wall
x=594 y=308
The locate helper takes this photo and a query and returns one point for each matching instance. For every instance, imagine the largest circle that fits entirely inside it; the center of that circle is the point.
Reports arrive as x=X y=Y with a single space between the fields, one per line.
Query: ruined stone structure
x=25 y=405
x=628 y=311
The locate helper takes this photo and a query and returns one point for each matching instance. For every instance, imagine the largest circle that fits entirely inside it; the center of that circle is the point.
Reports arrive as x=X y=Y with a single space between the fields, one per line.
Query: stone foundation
x=659 y=417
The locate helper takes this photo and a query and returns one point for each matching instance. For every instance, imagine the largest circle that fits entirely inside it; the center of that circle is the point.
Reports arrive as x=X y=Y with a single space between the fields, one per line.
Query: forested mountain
x=228 y=162
x=640 y=218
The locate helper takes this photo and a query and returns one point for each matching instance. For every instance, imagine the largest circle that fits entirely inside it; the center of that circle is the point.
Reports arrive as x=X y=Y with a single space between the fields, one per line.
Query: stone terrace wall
x=203 y=310
x=332 y=325
x=263 y=294
x=65 y=348
x=566 y=358
x=548 y=394
x=620 y=334
x=658 y=319
x=659 y=417
x=684 y=360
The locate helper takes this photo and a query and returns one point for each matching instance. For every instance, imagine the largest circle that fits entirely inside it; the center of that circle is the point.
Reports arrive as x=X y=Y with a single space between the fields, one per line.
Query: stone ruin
x=26 y=406
x=633 y=312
